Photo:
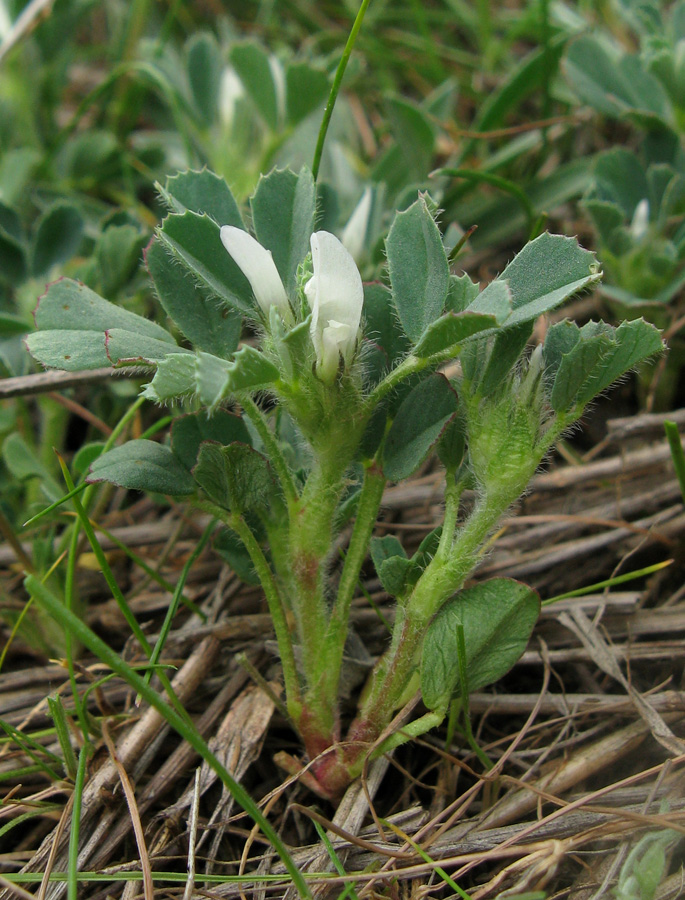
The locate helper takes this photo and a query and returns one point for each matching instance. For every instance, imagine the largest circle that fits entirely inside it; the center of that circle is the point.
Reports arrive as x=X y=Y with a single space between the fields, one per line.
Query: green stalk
x=72 y=863
x=273 y=598
x=179 y=723
x=335 y=87
x=253 y=412
x=311 y=537
x=453 y=492
x=367 y=514
x=441 y=578
x=176 y=599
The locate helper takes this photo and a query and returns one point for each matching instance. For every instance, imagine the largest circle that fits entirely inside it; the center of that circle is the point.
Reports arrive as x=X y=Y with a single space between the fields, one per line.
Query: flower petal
x=339 y=290
x=258 y=266
x=336 y=296
x=354 y=234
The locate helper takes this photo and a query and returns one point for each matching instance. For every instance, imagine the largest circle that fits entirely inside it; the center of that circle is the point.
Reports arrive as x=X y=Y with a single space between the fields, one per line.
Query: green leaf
x=503 y=354
x=306 y=88
x=58 y=236
x=546 y=272
x=419 y=422
x=254 y=70
x=23 y=463
x=596 y=357
x=231 y=549
x=203 y=193
x=450 y=330
x=12 y=253
x=613 y=83
x=531 y=74
x=175 y=378
x=217 y=378
x=143 y=466
x=414 y=135
x=391 y=563
x=235 y=477
x=382 y=333
x=419 y=272
x=75 y=350
x=202 y=319
x=68 y=305
x=11 y=324
x=619 y=177
x=189 y=432
x=462 y=292
x=194 y=241
x=498 y=617
x=396 y=575
x=204 y=66
x=452 y=444
x=283 y=208
x=117 y=255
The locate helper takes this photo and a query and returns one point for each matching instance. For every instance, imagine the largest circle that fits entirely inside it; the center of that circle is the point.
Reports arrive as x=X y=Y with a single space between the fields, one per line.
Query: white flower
x=230 y=91
x=640 y=223
x=278 y=78
x=336 y=297
x=258 y=266
x=354 y=234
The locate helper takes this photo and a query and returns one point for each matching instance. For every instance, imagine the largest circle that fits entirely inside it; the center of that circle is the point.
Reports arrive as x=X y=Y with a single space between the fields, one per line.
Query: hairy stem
x=273 y=598
x=367 y=513
x=254 y=413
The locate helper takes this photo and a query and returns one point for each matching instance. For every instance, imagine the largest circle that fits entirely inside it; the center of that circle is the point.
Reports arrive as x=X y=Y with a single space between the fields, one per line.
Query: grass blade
x=179 y=723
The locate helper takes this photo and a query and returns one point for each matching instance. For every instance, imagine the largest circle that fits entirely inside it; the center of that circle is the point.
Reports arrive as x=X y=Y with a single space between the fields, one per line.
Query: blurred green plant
x=636 y=201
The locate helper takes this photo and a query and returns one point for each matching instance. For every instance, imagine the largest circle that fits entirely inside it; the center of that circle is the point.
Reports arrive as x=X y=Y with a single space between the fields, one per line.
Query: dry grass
x=586 y=735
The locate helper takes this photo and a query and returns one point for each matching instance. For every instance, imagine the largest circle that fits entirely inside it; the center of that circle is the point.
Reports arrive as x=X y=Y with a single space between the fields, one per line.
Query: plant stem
x=254 y=413
x=367 y=513
x=442 y=577
x=409 y=366
x=335 y=87
x=273 y=598
x=453 y=492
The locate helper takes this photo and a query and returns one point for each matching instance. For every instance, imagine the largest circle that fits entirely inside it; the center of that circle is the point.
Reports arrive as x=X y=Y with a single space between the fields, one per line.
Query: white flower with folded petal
x=336 y=297
x=258 y=266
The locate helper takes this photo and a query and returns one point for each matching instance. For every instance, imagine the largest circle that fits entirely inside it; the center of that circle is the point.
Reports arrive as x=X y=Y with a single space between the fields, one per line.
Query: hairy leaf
x=418 y=268
x=498 y=617
x=236 y=477
x=419 y=422
x=143 y=465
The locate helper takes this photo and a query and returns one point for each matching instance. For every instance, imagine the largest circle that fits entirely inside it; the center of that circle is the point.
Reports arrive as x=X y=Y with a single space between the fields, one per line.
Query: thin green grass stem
x=69 y=598
x=449 y=881
x=74 y=834
x=33 y=749
x=179 y=723
x=53 y=506
x=610 y=582
x=149 y=571
x=677 y=454
x=176 y=599
x=504 y=184
x=335 y=87
x=464 y=688
x=59 y=717
x=348 y=890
